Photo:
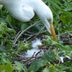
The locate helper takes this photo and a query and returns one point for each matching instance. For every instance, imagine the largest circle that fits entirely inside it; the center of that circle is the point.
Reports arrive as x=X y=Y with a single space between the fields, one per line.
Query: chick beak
x=53 y=33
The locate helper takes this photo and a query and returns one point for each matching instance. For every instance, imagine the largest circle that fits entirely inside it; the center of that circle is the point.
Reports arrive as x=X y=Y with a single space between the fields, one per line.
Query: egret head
x=45 y=14
x=50 y=27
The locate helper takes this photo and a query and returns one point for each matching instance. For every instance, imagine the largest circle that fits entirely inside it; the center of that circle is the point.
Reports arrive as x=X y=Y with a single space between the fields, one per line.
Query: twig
x=16 y=39
x=17 y=35
x=36 y=34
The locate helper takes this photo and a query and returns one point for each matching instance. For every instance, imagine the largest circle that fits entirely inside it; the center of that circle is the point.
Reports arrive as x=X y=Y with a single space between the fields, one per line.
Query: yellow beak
x=53 y=33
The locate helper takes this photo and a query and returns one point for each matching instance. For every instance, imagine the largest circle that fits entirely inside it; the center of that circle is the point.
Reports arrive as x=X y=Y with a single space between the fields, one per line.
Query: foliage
x=50 y=61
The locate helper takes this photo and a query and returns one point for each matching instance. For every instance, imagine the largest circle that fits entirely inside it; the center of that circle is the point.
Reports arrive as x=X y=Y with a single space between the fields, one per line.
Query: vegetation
x=16 y=36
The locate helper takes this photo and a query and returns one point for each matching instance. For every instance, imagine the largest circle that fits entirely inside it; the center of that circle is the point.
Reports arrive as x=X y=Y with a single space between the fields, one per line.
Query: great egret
x=24 y=10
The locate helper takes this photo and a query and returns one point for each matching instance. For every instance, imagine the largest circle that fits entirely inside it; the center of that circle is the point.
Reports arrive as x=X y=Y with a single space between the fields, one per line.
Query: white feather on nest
x=35 y=49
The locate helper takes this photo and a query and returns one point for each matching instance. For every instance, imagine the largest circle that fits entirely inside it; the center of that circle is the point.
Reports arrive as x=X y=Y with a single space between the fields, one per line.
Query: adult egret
x=24 y=10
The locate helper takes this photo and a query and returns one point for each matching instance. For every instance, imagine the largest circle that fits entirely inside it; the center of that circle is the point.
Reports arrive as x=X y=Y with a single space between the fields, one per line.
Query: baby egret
x=35 y=51
x=24 y=10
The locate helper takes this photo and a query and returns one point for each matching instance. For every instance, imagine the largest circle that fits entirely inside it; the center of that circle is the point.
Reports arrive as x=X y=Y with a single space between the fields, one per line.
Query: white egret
x=24 y=10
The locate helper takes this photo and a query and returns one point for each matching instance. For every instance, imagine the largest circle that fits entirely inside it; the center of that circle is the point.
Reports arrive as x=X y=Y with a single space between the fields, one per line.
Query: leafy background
x=9 y=49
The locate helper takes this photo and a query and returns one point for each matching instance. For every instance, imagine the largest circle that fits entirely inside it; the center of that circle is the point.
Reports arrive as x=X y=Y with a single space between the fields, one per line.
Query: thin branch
x=16 y=39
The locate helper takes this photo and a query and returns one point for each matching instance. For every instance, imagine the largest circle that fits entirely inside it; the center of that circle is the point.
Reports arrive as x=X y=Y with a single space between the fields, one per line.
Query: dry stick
x=17 y=35
x=36 y=34
x=40 y=31
x=31 y=58
x=15 y=40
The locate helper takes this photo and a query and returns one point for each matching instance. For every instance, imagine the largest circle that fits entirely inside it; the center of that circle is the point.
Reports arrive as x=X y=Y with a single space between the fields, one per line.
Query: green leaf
x=24 y=26
x=6 y=68
x=46 y=70
x=36 y=65
x=19 y=67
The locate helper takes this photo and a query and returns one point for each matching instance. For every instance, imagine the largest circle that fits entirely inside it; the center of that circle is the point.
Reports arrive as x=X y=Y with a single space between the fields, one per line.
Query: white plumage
x=36 y=43
x=24 y=10
x=35 y=49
